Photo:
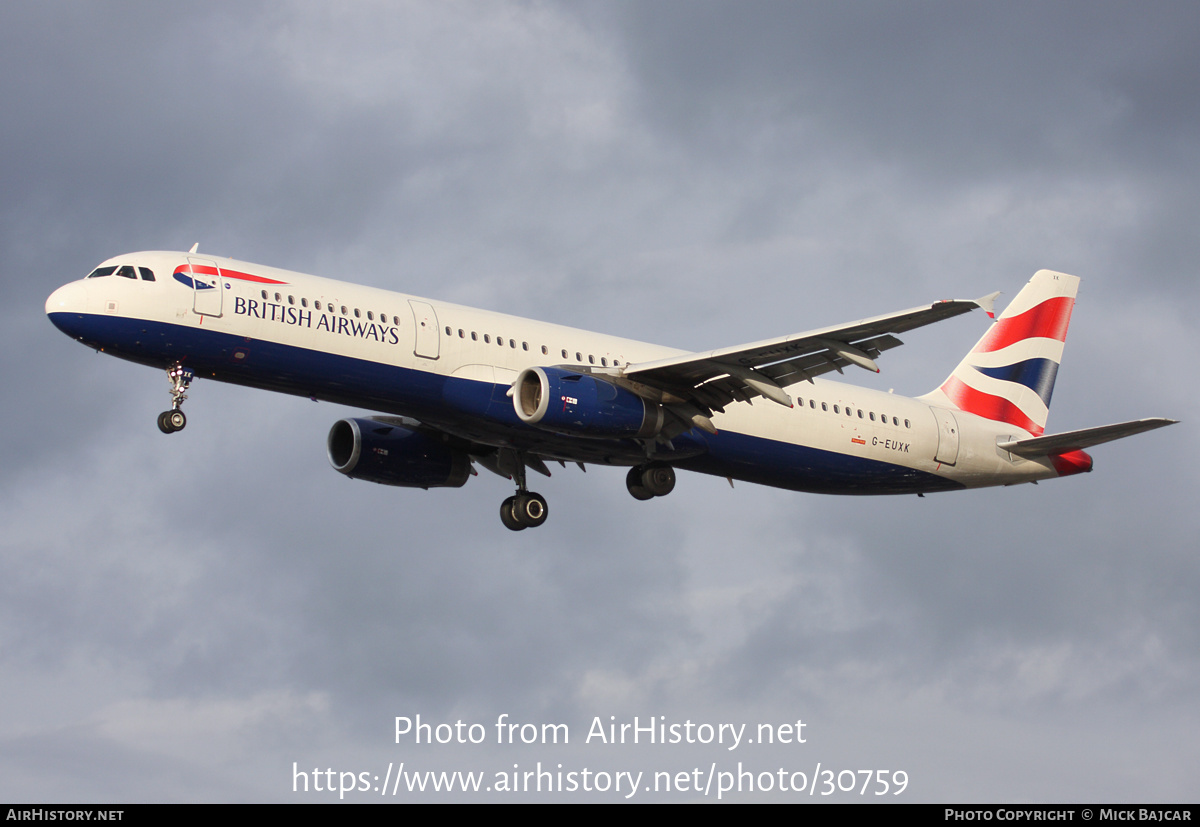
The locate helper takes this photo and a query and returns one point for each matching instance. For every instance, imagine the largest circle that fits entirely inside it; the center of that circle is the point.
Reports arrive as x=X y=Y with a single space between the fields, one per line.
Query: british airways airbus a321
x=457 y=386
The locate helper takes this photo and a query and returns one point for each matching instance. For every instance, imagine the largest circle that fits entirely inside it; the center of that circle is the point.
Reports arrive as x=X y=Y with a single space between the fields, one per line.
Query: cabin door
x=207 y=286
x=947 y=450
x=426 y=324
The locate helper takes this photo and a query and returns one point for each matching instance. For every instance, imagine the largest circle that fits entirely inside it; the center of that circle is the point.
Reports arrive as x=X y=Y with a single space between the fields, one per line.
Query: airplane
x=453 y=387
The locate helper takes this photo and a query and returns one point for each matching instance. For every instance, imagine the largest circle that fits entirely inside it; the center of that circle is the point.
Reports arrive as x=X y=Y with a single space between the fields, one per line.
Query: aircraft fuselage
x=452 y=368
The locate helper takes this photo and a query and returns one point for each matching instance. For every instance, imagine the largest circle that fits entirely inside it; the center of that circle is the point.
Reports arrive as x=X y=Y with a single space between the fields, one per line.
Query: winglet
x=988 y=303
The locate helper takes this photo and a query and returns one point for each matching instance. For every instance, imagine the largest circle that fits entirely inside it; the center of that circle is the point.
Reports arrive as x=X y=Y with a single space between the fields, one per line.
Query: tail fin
x=1009 y=375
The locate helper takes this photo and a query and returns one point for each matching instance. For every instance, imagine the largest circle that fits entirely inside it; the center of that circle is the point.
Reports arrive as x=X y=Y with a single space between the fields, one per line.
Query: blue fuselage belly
x=805 y=468
x=476 y=410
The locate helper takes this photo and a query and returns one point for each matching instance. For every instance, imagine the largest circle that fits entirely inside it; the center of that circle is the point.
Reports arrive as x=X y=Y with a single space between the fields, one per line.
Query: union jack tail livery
x=1009 y=375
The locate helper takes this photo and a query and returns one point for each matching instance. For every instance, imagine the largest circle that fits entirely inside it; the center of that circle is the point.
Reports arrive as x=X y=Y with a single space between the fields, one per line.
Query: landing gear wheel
x=171 y=421
x=180 y=378
x=658 y=478
x=633 y=481
x=530 y=509
x=524 y=509
x=509 y=517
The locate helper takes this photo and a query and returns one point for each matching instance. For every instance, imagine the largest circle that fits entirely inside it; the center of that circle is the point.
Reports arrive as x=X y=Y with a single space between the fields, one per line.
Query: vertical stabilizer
x=1009 y=375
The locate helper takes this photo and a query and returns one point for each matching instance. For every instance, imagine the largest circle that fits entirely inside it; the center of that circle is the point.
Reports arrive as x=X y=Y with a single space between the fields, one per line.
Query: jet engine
x=580 y=404
x=378 y=451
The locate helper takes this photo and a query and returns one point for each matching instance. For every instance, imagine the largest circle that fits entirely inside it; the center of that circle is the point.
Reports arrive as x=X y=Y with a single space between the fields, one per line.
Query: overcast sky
x=183 y=617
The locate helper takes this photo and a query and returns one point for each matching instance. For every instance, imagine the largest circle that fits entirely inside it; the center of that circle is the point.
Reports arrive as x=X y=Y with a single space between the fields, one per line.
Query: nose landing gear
x=174 y=420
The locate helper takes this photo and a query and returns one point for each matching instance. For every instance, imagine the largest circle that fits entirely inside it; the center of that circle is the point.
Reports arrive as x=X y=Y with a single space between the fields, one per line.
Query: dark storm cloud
x=962 y=90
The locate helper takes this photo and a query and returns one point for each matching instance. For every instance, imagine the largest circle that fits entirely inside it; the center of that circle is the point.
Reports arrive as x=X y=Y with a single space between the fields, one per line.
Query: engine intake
x=580 y=404
x=377 y=451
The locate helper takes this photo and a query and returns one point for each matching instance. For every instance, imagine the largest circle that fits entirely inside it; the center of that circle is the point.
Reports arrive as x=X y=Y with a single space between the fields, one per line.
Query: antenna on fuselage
x=195 y=247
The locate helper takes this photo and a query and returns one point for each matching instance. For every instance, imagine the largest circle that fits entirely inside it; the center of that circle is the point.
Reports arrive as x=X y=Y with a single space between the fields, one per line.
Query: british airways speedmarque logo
x=182 y=276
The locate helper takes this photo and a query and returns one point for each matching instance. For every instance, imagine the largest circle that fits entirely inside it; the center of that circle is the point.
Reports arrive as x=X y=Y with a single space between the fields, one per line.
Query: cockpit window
x=127 y=271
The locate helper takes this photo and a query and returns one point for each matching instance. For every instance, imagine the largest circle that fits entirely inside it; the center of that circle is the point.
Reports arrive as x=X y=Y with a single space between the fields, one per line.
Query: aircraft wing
x=1078 y=440
x=714 y=379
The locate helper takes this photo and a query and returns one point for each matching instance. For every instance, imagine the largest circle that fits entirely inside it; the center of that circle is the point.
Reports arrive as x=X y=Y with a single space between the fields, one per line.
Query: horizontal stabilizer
x=1078 y=440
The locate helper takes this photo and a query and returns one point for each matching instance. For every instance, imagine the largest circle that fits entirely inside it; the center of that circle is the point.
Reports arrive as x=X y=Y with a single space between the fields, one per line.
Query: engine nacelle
x=377 y=451
x=580 y=404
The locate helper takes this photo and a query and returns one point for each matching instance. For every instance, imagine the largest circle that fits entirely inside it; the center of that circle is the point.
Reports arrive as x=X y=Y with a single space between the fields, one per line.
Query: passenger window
x=578 y=356
x=907 y=424
x=344 y=311
x=565 y=354
x=461 y=335
x=316 y=304
x=591 y=359
x=545 y=350
x=825 y=406
x=291 y=299
x=860 y=415
x=603 y=362
x=474 y=336
x=872 y=416
x=357 y=314
x=147 y=273
x=371 y=318
x=524 y=345
x=512 y=343
x=837 y=409
x=264 y=295
x=487 y=338
x=303 y=302
x=449 y=332
x=278 y=297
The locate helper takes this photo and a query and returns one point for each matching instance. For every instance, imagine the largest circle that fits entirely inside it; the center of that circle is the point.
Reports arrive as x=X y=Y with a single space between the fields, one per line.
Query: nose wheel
x=180 y=378
x=171 y=421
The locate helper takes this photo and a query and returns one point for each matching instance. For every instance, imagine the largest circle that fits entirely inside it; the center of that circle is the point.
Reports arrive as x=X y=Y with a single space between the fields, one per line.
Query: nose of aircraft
x=65 y=303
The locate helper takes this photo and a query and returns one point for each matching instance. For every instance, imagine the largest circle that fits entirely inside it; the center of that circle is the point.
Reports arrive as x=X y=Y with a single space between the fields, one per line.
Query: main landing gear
x=174 y=420
x=525 y=509
x=654 y=479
